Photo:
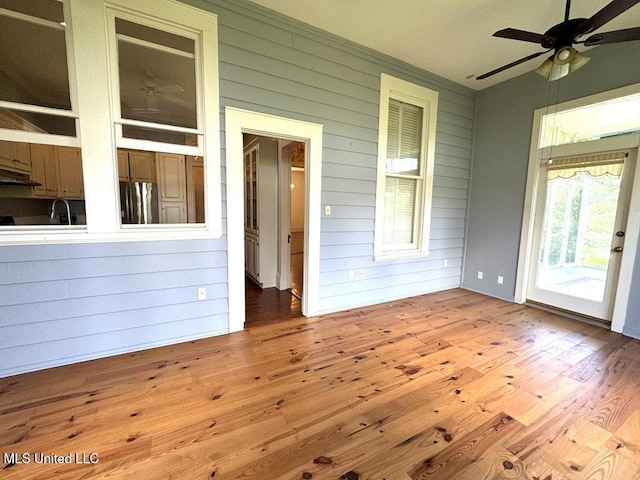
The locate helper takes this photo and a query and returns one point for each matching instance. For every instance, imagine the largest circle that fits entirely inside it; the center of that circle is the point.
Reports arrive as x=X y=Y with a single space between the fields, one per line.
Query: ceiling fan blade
x=615 y=36
x=512 y=64
x=515 y=34
x=169 y=89
x=179 y=101
x=608 y=13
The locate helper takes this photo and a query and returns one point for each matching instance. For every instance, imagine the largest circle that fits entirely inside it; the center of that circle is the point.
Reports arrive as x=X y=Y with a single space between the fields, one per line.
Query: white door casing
x=237 y=122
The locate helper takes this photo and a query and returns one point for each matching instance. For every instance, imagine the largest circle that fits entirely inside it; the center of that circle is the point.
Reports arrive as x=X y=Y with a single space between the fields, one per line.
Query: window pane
x=156 y=135
x=591 y=122
x=36 y=122
x=158 y=187
x=157 y=75
x=399 y=205
x=33 y=59
x=44 y=9
x=404 y=138
x=54 y=173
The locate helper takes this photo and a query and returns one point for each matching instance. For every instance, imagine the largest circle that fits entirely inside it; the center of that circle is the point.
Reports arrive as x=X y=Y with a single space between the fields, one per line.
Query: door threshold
x=598 y=322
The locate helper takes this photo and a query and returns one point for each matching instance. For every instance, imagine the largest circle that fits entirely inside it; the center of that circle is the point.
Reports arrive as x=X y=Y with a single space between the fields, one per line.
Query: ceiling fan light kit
x=561 y=38
x=565 y=61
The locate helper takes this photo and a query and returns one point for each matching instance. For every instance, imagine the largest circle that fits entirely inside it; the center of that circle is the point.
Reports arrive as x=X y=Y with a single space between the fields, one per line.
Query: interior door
x=579 y=232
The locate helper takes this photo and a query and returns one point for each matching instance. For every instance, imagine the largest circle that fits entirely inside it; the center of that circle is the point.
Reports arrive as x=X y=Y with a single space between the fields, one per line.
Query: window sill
x=79 y=234
x=400 y=255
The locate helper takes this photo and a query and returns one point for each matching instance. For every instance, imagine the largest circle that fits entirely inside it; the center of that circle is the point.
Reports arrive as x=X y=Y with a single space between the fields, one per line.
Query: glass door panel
x=577 y=221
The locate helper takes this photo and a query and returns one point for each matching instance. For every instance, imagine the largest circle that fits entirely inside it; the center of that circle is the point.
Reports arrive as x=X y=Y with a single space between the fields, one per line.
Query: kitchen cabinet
x=70 y=178
x=136 y=166
x=44 y=170
x=172 y=188
x=58 y=169
x=15 y=156
x=260 y=208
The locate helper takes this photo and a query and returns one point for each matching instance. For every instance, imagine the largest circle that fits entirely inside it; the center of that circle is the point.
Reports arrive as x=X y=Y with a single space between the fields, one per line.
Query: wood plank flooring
x=452 y=385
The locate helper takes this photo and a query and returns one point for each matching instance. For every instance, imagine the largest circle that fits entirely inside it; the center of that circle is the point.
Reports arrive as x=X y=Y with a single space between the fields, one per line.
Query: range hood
x=10 y=178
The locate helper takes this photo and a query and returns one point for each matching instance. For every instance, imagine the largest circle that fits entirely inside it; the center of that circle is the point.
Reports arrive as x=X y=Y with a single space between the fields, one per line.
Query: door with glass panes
x=579 y=229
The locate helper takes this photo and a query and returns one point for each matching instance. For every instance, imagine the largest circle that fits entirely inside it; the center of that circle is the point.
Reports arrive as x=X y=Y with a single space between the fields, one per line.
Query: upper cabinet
x=58 y=169
x=70 y=172
x=44 y=170
x=15 y=156
x=136 y=166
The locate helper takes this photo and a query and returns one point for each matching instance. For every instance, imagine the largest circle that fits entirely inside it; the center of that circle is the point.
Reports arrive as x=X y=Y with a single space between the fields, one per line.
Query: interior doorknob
x=617 y=249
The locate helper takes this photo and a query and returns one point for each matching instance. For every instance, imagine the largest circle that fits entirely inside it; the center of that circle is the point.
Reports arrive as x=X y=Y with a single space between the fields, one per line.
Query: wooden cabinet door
x=172 y=186
x=6 y=154
x=123 y=166
x=22 y=157
x=15 y=155
x=171 y=177
x=173 y=212
x=141 y=166
x=70 y=171
x=44 y=170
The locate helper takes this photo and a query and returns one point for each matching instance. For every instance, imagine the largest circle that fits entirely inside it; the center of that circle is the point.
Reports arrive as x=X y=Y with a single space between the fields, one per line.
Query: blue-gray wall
x=504 y=119
x=66 y=303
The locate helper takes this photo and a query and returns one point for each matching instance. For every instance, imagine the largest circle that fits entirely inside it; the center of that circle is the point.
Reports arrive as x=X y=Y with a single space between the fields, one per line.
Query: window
x=112 y=109
x=406 y=147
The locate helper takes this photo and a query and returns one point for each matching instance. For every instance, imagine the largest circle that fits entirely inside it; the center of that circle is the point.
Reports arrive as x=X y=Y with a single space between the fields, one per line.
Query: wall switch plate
x=446 y=262
x=480 y=275
x=327 y=209
x=202 y=293
x=350 y=275
x=500 y=279
x=362 y=273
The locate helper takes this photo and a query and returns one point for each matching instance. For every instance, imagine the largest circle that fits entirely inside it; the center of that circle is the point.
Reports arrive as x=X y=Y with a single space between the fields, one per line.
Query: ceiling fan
x=561 y=38
x=151 y=91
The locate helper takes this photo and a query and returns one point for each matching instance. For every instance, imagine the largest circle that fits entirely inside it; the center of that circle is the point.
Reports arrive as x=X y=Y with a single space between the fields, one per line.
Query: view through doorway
x=274 y=219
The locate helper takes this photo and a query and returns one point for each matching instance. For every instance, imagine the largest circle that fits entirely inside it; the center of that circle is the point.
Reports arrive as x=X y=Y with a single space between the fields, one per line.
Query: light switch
x=327 y=209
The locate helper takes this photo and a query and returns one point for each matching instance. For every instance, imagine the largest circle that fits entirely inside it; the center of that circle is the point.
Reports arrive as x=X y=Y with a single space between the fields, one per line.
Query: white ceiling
x=451 y=38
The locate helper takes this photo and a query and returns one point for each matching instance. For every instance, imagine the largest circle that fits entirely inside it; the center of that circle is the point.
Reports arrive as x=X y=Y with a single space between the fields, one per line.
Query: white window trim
x=89 y=73
x=391 y=87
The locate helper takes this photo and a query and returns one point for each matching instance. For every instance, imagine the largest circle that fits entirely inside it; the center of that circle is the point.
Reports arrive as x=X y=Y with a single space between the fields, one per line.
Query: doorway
x=237 y=123
x=569 y=210
x=274 y=219
x=579 y=229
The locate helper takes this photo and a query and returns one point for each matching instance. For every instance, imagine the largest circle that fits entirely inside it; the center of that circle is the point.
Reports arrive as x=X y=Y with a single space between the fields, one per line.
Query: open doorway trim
x=237 y=122
x=632 y=237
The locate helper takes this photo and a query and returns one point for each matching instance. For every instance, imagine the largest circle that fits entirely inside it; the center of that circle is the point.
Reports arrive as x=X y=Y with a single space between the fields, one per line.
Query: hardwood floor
x=452 y=385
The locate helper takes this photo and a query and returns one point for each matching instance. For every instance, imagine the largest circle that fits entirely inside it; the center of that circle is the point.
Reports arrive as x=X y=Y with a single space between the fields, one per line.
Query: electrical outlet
x=350 y=275
x=446 y=262
x=500 y=279
x=202 y=293
x=480 y=275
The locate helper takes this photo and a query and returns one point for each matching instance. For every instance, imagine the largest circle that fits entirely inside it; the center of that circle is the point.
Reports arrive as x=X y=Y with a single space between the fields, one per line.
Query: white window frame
x=407 y=92
x=90 y=72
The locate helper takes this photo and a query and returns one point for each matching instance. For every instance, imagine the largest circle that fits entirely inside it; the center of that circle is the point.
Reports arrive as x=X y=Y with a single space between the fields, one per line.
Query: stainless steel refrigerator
x=139 y=203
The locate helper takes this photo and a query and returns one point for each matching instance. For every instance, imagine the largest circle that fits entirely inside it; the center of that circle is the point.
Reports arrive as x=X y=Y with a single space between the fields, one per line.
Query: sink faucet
x=53 y=209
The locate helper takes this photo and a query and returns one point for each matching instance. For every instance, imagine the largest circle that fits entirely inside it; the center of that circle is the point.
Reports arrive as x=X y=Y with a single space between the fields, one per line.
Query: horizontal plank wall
x=65 y=303
x=276 y=65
